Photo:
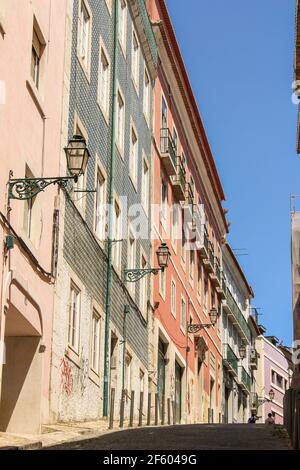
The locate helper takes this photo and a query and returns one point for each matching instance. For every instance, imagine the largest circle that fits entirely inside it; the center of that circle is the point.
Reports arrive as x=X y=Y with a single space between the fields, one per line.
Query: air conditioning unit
x=113 y=362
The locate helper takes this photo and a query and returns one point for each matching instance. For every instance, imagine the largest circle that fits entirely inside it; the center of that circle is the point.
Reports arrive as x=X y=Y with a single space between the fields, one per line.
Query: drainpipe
x=110 y=216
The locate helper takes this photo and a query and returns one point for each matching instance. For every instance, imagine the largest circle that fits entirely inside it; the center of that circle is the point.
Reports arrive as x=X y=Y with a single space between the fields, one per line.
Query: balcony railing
x=218 y=269
x=253 y=401
x=211 y=254
x=167 y=145
x=230 y=358
x=224 y=287
x=205 y=239
x=239 y=317
x=190 y=196
x=148 y=29
x=246 y=379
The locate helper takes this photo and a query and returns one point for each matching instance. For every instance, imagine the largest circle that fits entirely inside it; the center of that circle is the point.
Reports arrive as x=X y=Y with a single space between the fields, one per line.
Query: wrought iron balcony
x=168 y=151
x=236 y=315
x=245 y=380
x=209 y=262
x=254 y=403
x=221 y=291
x=253 y=361
x=230 y=360
x=179 y=181
x=216 y=275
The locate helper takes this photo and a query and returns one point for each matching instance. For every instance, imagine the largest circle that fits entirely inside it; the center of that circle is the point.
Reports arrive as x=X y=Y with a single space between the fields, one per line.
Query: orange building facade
x=186 y=368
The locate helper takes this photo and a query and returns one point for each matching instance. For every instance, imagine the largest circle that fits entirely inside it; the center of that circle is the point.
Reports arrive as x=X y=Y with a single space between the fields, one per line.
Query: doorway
x=161 y=374
x=178 y=392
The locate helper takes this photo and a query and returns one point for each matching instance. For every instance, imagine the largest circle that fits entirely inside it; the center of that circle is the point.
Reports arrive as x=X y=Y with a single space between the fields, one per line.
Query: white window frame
x=133 y=155
x=120 y=123
x=143 y=286
x=95 y=341
x=122 y=25
x=199 y=279
x=117 y=234
x=104 y=81
x=100 y=205
x=135 y=59
x=182 y=318
x=79 y=199
x=147 y=95
x=162 y=283
x=74 y=320
x=145 y=186
x=131 y=256
x=84 y=59
x=173 y=297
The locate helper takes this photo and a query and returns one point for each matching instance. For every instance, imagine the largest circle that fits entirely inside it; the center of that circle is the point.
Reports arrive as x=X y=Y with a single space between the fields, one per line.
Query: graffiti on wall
x=66 y=377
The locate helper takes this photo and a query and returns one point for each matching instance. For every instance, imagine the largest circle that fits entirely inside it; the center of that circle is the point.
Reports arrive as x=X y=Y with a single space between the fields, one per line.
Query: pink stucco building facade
x=31 y=75
x=274 y=372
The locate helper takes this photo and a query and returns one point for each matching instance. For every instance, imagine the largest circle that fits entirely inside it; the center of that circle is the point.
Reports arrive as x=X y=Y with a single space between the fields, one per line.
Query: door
x=178 y=386
x=161 y=375
x=227 y=393
x=211 y=401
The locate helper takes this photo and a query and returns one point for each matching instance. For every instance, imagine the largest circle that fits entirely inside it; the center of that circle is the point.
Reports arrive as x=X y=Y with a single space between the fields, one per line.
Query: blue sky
x=239 y=56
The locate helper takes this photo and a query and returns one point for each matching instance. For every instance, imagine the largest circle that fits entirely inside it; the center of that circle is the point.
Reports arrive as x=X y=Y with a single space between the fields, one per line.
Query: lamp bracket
x=27 y=188
x=195 y=327
x=133 y=275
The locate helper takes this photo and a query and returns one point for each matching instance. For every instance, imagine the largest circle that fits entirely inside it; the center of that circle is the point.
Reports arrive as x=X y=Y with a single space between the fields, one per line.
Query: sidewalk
x=54 y=434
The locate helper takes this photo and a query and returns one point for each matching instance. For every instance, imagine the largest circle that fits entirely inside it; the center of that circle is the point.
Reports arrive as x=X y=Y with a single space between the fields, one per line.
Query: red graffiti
x=66 y=377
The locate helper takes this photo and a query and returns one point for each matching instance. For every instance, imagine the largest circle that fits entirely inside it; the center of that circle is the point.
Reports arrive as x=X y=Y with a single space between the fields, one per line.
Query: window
x=164 y=202
x=74 y=318
x=133 y=156
x=122 y=23
x=142 y=378
x=120 y=122
x=162 y=283
x=36 y=54
x=175 y=139
x=192 y=264
x=145 y=186
x=164 y=112
x=128 y=361
x=199 y=278
x=143 y=288
x=104 y=81
x=174 y=225
x=100 y=219
x=135 y=59
x=84 y=35
x=28 y=209
x=205 y=293
x=147 y=94
x=183 y=240
x=212 y=299
x=173 y=298
x=95 y=350
x=131 y=251
x=117 y=235
x=182 y=314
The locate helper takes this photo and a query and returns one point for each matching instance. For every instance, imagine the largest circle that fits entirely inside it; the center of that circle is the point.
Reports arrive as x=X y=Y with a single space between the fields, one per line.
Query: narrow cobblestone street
x=188 y=437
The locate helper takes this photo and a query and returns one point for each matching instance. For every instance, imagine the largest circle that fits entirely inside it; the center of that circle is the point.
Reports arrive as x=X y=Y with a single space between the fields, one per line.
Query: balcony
x=179 y=181
x=254 y=402
x=236 y=316
x=168 y=152
x=253 y=361
x=189 y=214
x=215 y=277
x=230 y=360
x=221 y=290
x=245 y=380
x=209 y=262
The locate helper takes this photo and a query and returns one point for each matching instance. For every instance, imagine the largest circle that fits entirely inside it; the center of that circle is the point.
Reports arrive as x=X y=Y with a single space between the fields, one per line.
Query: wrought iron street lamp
x=163 y=255
x=261 y=401
x=195 y=327
x=77 y=156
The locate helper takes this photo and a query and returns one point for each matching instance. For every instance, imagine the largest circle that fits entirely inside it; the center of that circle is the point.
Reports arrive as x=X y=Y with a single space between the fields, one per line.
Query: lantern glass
x=77 y=155
x=242 y=351
x=271 y=394
x=213 y=315
x=163 y=256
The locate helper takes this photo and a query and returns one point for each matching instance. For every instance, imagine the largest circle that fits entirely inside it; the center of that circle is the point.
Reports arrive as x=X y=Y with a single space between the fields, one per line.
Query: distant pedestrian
x=253 y=418
x=270 y=419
